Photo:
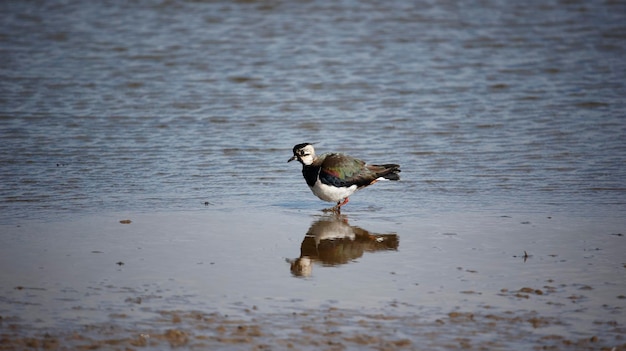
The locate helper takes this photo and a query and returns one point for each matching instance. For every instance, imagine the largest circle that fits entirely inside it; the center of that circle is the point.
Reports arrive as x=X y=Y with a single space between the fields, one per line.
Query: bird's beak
x=292 y=158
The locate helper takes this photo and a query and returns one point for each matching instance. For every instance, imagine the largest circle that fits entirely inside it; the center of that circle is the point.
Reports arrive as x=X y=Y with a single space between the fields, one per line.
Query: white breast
x=331 y=193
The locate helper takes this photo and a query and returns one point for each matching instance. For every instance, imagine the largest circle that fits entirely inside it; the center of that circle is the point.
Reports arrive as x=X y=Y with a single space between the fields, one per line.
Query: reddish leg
x=337 y=208
x=345 y=201
x=339 y=204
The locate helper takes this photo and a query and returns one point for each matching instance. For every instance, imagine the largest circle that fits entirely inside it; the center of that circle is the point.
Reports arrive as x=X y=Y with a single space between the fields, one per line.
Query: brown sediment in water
x=327 y=329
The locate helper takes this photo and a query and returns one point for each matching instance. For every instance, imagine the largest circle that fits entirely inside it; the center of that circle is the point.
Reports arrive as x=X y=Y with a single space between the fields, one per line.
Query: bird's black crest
x=300 y=146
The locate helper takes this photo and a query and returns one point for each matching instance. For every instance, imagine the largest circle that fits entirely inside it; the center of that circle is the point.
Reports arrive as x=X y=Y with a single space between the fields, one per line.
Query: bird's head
x=304 y=153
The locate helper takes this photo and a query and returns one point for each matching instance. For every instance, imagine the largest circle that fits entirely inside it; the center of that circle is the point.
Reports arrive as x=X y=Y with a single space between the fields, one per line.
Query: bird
x=333 y=177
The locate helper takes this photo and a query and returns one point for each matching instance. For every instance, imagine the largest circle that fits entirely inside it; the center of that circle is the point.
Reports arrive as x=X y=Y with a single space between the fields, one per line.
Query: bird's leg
x=345 y=201
x=341 y=203
x=337 y=208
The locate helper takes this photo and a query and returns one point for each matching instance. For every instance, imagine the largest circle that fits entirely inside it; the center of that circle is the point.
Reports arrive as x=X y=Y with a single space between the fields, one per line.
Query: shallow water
x=508 y=120
x=451 y=276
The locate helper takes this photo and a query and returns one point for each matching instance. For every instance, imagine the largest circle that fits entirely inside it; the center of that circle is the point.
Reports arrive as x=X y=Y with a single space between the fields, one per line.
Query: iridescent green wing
x=343 y=171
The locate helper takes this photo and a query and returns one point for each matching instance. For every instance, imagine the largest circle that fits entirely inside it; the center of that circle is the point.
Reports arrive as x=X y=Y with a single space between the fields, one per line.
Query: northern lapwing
x=333 y=177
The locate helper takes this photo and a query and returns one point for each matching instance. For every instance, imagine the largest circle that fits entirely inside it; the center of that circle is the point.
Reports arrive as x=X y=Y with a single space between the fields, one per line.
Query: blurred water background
x=162 y=105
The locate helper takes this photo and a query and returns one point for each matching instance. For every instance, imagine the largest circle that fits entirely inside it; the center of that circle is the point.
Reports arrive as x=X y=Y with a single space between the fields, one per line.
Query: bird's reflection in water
x=332 y=241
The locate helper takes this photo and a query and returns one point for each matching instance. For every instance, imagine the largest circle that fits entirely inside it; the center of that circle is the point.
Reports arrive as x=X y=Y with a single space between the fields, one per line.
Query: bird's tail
x=388 y=171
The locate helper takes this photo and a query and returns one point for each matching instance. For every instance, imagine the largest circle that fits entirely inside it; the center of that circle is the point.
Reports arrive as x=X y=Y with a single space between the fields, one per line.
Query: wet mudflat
x=224 y=278
x=328 y=329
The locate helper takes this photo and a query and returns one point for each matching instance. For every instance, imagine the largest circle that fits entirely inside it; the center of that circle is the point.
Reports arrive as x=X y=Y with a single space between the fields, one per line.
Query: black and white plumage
x=333 y=177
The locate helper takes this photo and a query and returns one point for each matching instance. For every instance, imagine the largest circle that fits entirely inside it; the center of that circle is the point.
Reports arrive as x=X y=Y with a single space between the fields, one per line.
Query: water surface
x=160 y=105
